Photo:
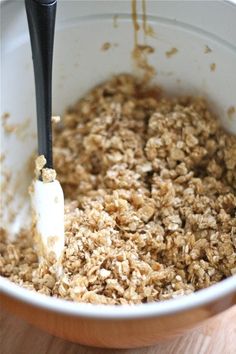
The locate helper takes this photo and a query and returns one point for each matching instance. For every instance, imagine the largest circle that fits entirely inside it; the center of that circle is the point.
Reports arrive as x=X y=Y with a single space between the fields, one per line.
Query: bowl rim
x=202 y=297
x=215 y=292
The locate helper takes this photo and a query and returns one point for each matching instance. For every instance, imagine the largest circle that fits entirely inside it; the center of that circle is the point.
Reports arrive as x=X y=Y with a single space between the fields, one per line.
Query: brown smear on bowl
x=115 y=21
x=19 y=129
x=106 y=46
x=171 y=52
x=141 y=51
x=213 y=66
x=147 y=29
x=144 y=16
x=207 y=49
x=231 y=111
x=135 y=22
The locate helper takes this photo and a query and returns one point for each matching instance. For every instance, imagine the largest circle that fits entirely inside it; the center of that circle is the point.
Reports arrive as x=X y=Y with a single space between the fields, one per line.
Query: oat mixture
x=150 y=186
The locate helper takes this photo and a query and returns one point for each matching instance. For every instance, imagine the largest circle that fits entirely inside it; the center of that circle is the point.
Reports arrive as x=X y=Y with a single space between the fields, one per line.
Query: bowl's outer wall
x=115 y=333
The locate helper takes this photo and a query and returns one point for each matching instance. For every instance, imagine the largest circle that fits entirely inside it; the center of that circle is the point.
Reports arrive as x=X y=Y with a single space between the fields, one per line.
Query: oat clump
x=46 y=174
x=150 y=186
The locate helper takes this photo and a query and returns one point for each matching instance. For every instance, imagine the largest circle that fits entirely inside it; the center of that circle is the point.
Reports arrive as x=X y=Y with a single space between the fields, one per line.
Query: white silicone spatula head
x=48 y=210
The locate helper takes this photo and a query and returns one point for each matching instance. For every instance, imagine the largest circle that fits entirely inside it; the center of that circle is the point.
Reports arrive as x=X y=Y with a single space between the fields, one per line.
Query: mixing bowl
x=203 y=64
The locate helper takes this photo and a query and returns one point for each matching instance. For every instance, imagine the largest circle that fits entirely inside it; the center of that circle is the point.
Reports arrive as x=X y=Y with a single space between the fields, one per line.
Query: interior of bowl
x=202 y=64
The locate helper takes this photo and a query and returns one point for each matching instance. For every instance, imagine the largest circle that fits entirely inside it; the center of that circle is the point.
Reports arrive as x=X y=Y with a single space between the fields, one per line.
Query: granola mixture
x=150 y=186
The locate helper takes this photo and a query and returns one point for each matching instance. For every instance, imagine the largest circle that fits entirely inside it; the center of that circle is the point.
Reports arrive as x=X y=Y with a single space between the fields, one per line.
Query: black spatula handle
x=41 y=16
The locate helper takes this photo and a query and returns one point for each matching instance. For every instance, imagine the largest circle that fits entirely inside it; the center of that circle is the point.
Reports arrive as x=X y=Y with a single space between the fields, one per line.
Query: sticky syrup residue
x=135 y=22
x=106 y=46
x=213 y=66
x=207 y=49
x=171 y=52
x=231 y=111
x=141 y=51
x=147 y=29
x=19 y=129
x=144 y=17
x=115 y=21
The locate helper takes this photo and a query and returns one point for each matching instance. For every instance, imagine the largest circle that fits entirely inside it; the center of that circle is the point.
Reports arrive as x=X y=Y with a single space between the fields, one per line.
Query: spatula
x=47 y=198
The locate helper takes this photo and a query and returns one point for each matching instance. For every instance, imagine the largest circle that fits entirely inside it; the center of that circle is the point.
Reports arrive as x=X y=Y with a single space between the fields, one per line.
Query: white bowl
x=79 y=63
